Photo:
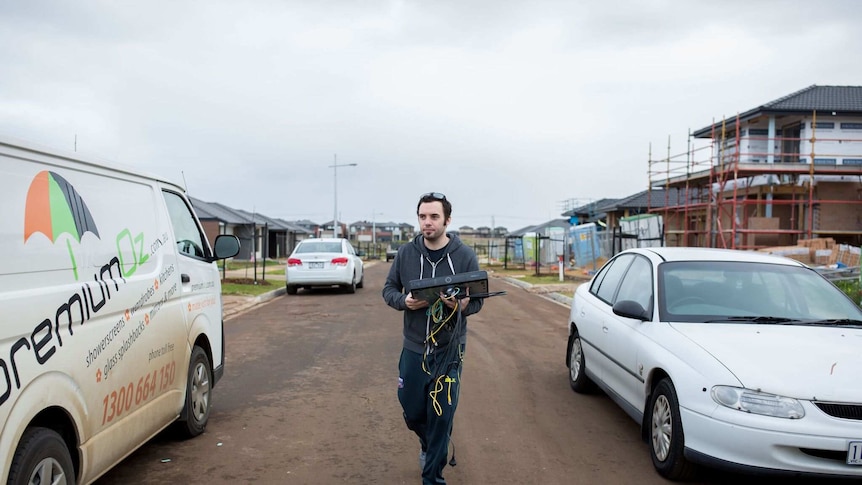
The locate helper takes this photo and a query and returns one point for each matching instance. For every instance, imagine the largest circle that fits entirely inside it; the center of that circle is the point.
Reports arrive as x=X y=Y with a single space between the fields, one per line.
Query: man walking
x=435 y=335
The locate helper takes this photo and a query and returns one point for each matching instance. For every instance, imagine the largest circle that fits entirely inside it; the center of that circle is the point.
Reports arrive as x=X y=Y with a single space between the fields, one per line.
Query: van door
x=201 y=304
x=83 y=286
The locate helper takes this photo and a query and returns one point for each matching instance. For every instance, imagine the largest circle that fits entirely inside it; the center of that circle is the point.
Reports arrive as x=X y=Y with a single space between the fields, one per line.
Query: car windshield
x=749 y=292
x=319 y=247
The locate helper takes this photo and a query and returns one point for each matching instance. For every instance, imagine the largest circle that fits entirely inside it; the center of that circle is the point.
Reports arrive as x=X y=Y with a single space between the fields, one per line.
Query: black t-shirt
x=435 y=255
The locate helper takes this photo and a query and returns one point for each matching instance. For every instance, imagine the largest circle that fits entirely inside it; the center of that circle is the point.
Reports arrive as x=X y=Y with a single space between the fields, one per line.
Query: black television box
x=429 y=289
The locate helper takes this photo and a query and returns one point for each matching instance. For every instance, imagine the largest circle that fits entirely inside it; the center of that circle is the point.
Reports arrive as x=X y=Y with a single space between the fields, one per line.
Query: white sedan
x=324 y=262
x=733 y=359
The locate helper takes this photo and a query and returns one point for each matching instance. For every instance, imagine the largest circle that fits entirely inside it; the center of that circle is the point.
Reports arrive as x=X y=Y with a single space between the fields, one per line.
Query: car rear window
x=319 y=247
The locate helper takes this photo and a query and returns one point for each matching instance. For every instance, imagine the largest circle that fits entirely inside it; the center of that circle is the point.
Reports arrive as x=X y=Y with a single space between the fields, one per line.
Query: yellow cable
x=437 y=314
x=438 y=386
x=424 y=358
x=449 y=380
x=435 y=331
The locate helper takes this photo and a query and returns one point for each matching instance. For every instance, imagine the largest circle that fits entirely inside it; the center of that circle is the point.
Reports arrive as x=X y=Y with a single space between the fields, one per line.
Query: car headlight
x=756 y=402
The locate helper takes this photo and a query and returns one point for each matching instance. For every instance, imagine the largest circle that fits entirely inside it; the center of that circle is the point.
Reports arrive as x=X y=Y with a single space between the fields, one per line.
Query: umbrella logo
x=55 y=208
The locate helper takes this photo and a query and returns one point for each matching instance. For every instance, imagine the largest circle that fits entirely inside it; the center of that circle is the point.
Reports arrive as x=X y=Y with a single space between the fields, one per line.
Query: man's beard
x=435 y=236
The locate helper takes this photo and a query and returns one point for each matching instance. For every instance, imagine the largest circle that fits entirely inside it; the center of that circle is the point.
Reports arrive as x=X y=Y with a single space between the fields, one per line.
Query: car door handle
x=604 y=329
x=583 y=314
x=185 y=278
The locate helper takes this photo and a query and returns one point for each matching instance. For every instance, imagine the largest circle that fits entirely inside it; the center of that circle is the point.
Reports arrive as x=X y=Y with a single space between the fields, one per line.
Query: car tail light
x=339 y=261
x=294 y=262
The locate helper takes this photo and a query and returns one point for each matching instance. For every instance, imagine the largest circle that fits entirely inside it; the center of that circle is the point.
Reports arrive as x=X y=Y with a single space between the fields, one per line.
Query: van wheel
x=41 y=457
x=291 y=289
x=196 y=412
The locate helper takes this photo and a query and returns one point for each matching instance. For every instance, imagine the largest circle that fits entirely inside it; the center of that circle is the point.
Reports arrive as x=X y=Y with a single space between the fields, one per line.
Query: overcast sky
x=509 y=108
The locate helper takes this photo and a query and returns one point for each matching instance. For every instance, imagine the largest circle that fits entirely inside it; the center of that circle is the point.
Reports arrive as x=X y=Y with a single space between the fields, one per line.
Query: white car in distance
x=324 y=262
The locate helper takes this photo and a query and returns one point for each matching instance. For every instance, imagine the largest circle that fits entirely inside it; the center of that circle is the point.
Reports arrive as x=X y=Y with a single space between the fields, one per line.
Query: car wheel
x=196 y=413
x=577 y=366
x=361 y=283
x=351 y=288
x=291 y=289
x=667 y=439
x=41 y=457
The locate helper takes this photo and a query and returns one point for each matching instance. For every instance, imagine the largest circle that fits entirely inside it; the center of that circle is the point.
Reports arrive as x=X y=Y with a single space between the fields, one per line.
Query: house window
x=821 y=125
x=852 y=161
x=790 y=143
x=825 y=161
x=851 y=126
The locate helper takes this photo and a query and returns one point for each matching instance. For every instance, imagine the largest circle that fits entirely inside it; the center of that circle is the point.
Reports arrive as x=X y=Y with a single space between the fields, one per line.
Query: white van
x=110 y=314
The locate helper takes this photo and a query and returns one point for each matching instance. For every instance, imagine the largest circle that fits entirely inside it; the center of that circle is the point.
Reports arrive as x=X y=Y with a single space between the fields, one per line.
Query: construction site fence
x=550 y=251
x=509 y=254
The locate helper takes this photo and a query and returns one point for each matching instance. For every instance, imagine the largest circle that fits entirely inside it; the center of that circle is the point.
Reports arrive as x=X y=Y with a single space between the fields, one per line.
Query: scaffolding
x=750 y=188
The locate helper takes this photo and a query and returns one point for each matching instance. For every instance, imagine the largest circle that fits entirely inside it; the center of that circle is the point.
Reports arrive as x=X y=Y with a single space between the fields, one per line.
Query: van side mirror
x=226 y=246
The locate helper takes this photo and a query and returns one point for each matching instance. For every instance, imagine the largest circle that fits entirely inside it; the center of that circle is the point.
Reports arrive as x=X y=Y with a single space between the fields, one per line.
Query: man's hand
x=451 y=302
x=414 y=304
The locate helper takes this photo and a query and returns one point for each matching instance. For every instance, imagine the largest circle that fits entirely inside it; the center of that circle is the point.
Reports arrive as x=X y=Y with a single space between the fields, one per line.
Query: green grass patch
x=528 y=275
x=270 y=263
x=247 y=286
x=852 y=289
x=544 y=280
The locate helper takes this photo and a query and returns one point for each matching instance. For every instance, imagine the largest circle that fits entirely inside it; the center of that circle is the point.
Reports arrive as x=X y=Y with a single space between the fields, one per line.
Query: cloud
x=508 y=107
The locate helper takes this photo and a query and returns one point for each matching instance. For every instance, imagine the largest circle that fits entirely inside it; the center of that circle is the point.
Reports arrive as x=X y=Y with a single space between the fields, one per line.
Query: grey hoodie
x=412 y=263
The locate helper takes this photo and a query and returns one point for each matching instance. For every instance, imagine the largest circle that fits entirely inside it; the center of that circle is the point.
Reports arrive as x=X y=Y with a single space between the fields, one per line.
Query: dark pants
x=418 y=392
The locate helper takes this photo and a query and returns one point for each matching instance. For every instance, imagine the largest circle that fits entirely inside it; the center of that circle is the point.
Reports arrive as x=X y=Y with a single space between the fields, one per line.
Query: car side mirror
x=226 y=246
x=630 y=309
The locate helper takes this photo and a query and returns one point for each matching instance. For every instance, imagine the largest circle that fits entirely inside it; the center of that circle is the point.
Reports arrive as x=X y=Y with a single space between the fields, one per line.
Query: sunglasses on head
x=434 y=195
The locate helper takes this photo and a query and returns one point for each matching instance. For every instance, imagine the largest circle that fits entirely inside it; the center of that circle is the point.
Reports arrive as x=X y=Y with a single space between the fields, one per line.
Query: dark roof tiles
x=845 y=100
x=820 y=98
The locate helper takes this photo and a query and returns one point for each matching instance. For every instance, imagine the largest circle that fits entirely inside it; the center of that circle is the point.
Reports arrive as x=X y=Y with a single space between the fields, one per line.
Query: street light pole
x=374 y=230
x=334 y=167
x=374 y=226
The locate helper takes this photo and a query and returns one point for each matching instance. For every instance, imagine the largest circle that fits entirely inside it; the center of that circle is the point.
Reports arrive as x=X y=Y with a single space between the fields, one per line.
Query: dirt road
x=309 y=397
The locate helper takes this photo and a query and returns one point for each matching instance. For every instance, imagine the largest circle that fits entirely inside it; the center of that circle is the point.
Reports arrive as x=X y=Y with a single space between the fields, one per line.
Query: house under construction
x=787 y=171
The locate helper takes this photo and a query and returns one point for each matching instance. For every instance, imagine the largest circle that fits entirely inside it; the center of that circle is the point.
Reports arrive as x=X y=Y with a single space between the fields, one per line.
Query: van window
x=190 y=240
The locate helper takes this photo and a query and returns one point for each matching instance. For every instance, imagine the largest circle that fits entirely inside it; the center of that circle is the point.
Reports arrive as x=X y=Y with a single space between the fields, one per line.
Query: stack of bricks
x=822 y=250
x=848 y=255
x=818 y=251
x=799 y=253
